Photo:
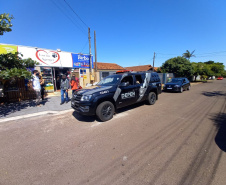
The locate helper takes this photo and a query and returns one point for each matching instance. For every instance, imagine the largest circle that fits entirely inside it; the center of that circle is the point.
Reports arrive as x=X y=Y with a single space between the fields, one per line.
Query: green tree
x=217 y=69
x=188 y=55
x=5 y=23
x=13 y=66
x=180 y=66
x=197 y=69
x=224 y=74
x=209 y=62
x=206 y=71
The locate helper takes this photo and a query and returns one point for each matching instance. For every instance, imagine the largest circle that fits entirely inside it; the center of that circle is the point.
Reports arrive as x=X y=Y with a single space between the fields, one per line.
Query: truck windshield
x=110 y=80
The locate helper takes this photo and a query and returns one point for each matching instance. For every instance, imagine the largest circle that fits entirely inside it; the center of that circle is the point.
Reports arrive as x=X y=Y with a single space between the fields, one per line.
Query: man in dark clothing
x=64 y=86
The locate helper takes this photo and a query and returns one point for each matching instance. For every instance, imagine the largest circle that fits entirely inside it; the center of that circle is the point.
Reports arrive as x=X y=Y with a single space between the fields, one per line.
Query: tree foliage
x=208 y=69
x=5 y=23
x=180 y=66
x=188 y=54
x=13 y=66
x=224 y=74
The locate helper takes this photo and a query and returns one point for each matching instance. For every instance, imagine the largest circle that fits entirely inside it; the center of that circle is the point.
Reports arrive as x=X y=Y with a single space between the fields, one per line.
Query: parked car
x=220 y=78
x=116 y=91
x=178 y=85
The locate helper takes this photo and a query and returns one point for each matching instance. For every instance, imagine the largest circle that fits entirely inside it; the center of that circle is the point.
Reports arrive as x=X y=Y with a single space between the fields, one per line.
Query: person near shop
x=42 y=83
x=36 y=86
x=64 y=86
x=74 y=84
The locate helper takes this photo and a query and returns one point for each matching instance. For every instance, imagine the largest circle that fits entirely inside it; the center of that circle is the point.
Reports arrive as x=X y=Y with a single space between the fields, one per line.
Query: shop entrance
x=58 y=73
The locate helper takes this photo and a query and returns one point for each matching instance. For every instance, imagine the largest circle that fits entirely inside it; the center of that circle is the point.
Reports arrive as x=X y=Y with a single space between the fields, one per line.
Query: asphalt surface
x=179 y=140
x=50 y=103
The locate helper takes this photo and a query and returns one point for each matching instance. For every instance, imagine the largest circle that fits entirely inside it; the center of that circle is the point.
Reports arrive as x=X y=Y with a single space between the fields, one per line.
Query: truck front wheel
x=151 y=98
x=105 y=111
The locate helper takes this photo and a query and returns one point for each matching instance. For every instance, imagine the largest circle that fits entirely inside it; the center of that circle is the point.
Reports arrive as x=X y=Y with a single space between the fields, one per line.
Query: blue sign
x=81 y=61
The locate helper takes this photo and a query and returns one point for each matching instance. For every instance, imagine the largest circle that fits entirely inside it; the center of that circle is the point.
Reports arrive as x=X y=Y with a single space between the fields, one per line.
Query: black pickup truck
x=116 y=91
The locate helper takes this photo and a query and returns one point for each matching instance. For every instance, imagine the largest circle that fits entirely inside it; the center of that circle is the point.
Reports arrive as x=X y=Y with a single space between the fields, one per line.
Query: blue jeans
x=62 y=95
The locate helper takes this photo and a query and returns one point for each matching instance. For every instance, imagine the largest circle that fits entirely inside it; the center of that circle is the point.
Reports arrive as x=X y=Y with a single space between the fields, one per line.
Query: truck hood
x=94 y=89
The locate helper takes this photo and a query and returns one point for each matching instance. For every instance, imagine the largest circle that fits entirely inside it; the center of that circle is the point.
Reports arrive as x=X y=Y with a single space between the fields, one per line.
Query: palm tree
x=188 y=55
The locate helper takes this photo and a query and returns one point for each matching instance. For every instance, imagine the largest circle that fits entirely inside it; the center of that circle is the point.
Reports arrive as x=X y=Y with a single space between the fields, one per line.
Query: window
x=110 y=80
x=105 y=74
x=138 y=79
x=128 y=79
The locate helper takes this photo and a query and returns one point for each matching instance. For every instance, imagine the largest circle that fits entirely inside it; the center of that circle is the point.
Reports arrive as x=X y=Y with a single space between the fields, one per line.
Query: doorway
x=58 y=73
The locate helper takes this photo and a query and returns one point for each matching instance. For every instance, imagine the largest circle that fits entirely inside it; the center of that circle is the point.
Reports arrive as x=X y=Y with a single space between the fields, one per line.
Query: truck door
x=139 y=82
x=128 y=92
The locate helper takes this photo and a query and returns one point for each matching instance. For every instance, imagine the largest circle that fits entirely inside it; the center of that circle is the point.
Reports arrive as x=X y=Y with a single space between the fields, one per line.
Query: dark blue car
x=177 y=85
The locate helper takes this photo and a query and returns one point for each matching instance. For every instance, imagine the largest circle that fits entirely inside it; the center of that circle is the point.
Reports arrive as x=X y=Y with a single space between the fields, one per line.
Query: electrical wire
x=76 y=13
x=81 y=29
x=84 y=46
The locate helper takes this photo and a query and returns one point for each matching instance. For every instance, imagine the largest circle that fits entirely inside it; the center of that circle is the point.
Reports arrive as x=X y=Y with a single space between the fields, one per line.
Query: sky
x=128 y=32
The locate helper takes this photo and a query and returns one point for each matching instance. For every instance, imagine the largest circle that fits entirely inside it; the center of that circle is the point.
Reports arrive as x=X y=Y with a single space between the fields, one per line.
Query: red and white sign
x=47 y=57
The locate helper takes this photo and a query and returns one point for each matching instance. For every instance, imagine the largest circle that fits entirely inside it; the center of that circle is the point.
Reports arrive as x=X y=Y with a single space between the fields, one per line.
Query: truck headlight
x=86 y=97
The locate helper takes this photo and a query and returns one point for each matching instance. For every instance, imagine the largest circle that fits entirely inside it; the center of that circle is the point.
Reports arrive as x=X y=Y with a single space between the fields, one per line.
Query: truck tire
x=151 y=98
x=105 y=111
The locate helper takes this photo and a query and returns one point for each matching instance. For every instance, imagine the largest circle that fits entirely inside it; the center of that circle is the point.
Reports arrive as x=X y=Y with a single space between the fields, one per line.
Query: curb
x=35 y=114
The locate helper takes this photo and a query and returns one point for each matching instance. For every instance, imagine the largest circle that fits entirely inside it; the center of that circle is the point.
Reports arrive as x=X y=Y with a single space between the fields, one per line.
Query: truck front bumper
x=83 y=108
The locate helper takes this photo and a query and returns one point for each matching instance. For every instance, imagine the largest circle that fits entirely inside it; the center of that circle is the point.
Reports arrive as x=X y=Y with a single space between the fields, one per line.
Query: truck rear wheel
x=151 y=98
x=105 y=111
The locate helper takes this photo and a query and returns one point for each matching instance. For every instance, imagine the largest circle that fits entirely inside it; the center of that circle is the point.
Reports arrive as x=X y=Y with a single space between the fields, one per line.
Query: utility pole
x=90 y=57
x=95 y=48
x=153 y=62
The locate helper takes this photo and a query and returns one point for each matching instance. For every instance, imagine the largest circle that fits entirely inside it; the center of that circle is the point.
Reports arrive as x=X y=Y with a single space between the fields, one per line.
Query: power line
x=165 y=54
x=212 y=52
x=76 y=13
x=81 y=29
x=84 y=46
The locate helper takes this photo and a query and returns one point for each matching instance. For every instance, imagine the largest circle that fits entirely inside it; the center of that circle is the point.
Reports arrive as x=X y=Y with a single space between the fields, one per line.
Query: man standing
x=36 y=86
x=64 y=86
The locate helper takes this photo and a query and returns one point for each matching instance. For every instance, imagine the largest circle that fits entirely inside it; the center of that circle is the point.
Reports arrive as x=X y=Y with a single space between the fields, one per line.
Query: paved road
x=179 y=140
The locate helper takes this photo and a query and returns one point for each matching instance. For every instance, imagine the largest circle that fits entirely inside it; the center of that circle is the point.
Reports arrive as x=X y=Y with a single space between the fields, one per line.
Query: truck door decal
x=130 y=94
x=117 y=93
x=144 y=87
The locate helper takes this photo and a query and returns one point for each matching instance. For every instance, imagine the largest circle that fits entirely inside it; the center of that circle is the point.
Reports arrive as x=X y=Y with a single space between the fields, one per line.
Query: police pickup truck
x=117 y=91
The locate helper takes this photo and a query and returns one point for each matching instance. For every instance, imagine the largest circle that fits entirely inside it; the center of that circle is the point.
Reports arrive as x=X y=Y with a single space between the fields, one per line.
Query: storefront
x=54 y=64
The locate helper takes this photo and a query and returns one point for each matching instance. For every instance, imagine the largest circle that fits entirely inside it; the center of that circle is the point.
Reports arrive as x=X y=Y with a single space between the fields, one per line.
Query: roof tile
x=108 y=66
x=140 y=68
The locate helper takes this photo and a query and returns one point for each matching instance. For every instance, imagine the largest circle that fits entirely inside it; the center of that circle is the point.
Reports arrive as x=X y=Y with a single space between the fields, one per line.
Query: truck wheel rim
x=106 y=111
x=152 y=98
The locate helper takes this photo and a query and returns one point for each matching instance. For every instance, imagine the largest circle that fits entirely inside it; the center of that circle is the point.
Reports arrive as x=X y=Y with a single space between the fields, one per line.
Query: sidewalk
x=51 y=103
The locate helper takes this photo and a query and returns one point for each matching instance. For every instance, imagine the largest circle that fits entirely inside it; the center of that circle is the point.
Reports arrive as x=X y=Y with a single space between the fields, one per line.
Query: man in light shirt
x=36 y=86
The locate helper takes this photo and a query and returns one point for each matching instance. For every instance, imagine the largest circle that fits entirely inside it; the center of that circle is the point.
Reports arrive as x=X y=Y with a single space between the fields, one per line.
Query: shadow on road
x=130 y=107
x=220 y=123
x=94 y=118
x=214 y=93
x=83 y=118
x=9 y=108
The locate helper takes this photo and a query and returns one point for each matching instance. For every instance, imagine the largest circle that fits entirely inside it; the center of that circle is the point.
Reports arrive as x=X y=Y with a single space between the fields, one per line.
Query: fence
x=164 y=77
x=17 y=91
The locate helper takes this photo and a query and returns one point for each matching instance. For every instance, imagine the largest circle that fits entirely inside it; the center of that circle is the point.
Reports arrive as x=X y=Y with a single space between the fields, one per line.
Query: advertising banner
x=81 y=61
x=4 y=49
x=47 y=57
